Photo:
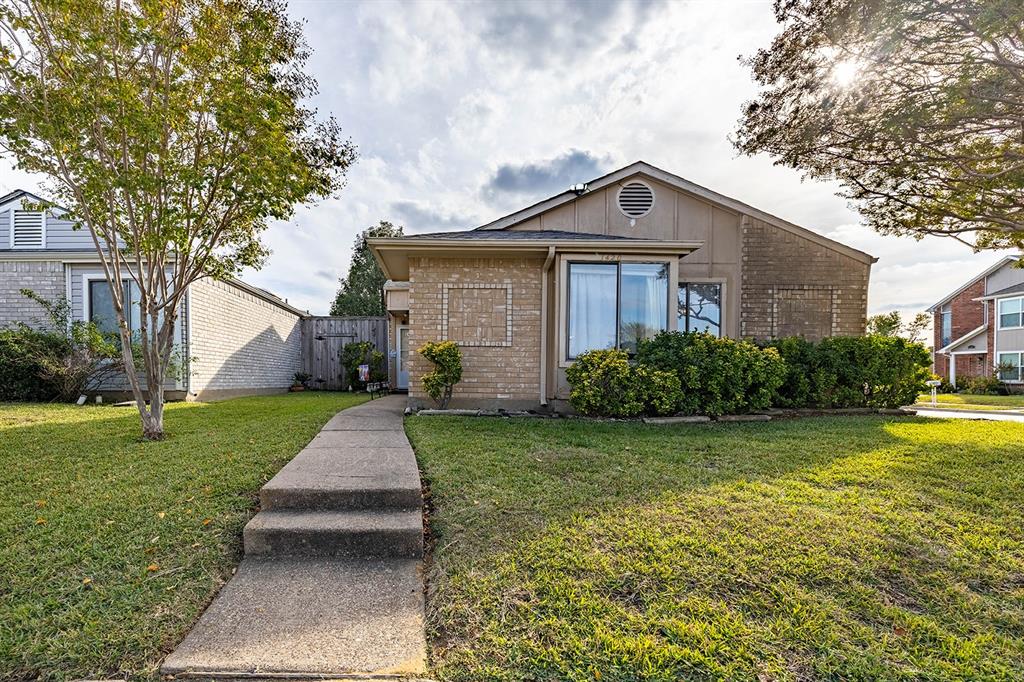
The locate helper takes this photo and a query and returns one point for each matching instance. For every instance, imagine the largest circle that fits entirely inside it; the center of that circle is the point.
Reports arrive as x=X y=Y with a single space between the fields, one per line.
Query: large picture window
x=1011 y=313
x=614 y=305
x=1010 y=367
x=101 y=307
x=700 y=307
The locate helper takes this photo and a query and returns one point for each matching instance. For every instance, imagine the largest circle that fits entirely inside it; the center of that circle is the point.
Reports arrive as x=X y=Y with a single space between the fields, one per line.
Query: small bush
x=604 y=384
x=447 y=360
x=984 y=385
x=21 y=371
x=58 y=361
x=716 y=376
x=362 y=353
x=851 y=371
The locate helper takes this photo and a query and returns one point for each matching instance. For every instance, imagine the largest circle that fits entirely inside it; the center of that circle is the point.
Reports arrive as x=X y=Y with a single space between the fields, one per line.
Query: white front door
x=402 y=358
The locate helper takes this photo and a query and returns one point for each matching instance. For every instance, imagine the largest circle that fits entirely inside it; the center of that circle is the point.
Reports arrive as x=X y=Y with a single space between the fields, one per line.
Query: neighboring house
x=636 y=251
x=237 y=339
x=980 y=326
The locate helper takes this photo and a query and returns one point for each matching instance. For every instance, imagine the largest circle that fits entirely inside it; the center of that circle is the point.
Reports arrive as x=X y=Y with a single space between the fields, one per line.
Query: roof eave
x=393 y=254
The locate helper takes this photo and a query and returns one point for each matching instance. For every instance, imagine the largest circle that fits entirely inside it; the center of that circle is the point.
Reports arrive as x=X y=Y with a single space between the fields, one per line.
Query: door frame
x=398 y=357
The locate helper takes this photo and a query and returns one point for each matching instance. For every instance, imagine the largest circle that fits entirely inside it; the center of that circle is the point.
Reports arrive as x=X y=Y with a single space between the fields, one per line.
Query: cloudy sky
x=464 y=112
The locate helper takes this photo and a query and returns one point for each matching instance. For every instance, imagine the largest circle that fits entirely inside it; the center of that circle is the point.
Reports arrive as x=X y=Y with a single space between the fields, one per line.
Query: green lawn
x=975 y=402
x=856 y=548
x=112 y=547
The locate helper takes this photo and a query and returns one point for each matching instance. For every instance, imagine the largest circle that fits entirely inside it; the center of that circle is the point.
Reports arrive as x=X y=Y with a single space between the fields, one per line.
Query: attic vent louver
x=27 y=229
x=635 y=200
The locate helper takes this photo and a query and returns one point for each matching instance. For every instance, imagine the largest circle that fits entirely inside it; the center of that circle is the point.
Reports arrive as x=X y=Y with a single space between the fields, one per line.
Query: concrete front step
x=307 y=617
x=392 y=533
x=344 y=477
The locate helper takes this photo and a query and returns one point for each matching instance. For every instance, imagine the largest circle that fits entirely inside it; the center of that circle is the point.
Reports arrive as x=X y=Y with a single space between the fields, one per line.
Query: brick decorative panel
x=803 y=310
x=477 y=314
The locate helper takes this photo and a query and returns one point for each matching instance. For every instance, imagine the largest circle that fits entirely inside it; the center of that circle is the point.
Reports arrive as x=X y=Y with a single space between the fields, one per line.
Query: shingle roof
x=514 y=235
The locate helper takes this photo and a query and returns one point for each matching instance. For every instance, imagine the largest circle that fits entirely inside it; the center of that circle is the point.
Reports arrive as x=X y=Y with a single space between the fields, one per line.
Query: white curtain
x=644 y=304
x=592 y=288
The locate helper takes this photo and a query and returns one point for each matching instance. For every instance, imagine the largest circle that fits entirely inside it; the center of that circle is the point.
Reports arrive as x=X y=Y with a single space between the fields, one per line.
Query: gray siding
x=241 y=343
x=1006 y=276
x=61 y=234
x=46 y=278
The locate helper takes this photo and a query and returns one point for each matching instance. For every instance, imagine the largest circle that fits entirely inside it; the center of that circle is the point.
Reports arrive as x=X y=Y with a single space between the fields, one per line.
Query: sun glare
x=845 y=73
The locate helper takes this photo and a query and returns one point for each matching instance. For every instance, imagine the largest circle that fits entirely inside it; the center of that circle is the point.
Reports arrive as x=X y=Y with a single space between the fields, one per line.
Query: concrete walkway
x=331 y=582
x=991 y=415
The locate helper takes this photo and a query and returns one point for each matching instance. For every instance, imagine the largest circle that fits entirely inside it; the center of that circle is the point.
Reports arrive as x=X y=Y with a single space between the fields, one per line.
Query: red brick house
x=978 y=327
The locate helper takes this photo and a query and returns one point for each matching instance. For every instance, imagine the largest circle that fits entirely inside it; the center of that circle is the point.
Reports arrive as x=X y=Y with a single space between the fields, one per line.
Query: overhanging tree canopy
x=174 y=131
x=915 y=106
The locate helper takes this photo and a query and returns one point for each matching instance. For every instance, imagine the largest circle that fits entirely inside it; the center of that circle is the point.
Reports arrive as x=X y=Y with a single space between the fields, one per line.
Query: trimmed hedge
x=717 y=375
x=605 y=384
x=696 y=373
x=851 y=371
x=447 y=360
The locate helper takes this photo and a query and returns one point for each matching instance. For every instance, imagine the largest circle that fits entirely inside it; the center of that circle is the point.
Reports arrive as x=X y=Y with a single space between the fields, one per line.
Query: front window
x=1011 y=312
x=614 y=305
x=1010 y=367
x=947 y=326
x=700 y=307
x=101 y=307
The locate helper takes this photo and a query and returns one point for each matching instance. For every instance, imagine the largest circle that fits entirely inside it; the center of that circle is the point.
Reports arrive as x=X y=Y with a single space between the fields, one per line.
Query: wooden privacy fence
x=323 y=339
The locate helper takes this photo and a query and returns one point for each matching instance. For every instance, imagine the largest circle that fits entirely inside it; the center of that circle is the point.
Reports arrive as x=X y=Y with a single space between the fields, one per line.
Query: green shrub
x=716 y=376
x=21 y=370
x=605 y=384
x=984 y=385
x=59 y=360
x=851 y=371
x=362 y=353
x=447 y=359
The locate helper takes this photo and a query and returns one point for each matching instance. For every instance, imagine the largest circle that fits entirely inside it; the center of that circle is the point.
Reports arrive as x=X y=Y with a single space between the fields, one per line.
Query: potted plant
x=299 y=384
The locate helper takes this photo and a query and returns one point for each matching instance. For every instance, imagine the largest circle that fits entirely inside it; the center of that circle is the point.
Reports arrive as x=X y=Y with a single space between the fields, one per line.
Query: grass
x=974 y=402
x=858 y=548
x=112 y=547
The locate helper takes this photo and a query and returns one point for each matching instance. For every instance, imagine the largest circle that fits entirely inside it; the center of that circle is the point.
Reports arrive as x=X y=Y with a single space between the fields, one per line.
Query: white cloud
x=439 y=96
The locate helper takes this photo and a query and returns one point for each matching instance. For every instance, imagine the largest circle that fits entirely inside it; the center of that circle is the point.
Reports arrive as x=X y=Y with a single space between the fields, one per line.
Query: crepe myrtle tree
x=916 y=107
x=173 y=131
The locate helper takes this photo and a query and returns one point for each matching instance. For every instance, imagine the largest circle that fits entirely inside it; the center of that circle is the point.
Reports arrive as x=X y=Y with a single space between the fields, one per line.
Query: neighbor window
x=1010 y=367
x=700 y=307
x=614 y=305
x=947 y=326
x=1011 y=312
x=101 y=307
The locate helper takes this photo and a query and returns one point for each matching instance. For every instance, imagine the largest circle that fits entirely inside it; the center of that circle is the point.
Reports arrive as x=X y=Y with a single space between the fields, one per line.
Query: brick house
x=237 y=339
x=602 y=265
x=978 y=327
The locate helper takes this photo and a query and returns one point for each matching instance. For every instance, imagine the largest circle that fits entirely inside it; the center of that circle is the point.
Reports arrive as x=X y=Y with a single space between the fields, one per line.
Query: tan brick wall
x=499 y=372
x=240 y=342
x=792 y=285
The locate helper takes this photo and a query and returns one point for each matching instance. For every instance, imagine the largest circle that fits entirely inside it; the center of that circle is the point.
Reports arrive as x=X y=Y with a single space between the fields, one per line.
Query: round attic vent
x=636 y=200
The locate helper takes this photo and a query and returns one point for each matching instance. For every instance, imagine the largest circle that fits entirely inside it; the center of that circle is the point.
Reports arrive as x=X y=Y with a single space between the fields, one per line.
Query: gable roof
x=684 y=185
x=519 y=235
x=20 y=194
x=995 y=266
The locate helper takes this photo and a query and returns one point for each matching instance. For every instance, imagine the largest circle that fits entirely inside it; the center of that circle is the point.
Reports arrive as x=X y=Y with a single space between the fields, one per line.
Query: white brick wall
x=46 y=278
x=240 y=342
